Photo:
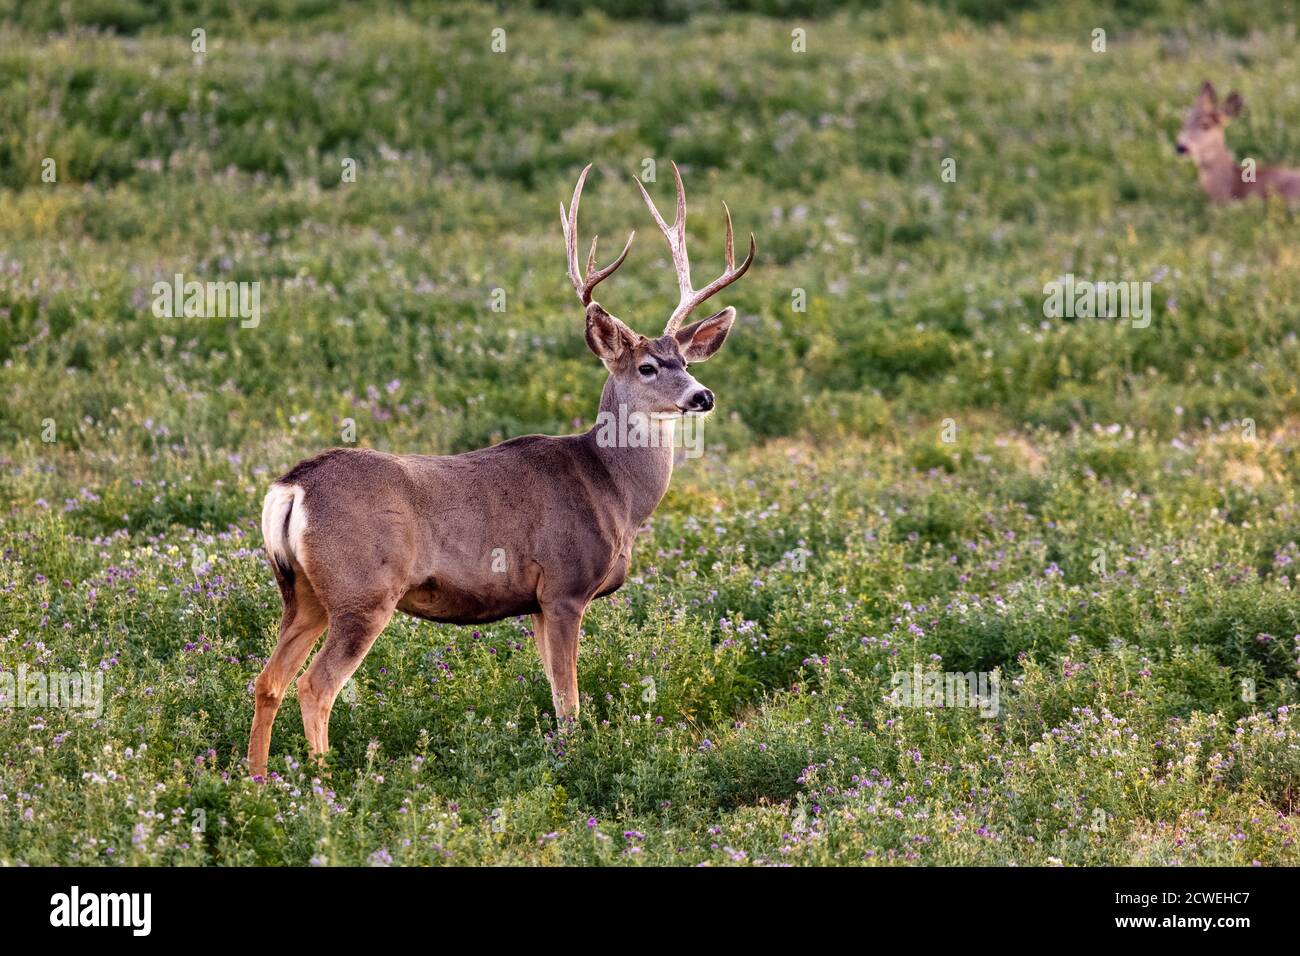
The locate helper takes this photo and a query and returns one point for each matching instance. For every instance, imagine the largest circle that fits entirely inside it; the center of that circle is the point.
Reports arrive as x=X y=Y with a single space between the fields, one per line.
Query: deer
x=1202 y=138
x=537 y=525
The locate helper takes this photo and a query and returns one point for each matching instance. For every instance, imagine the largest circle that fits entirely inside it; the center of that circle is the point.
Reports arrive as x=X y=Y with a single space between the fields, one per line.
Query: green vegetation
x=1113 y=529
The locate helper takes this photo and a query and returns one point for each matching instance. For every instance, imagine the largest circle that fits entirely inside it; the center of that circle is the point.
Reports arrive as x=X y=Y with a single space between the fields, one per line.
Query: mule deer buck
x=535 y=525
x=1202 y=138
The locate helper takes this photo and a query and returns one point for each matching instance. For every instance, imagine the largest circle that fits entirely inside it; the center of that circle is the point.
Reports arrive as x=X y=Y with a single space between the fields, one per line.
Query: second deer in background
x=1221 y=176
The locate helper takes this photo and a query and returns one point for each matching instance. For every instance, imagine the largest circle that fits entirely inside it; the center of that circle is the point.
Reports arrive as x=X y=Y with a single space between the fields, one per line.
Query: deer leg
x=563 y=622
x=301 y=624
x=539 y=638
x=352 y=634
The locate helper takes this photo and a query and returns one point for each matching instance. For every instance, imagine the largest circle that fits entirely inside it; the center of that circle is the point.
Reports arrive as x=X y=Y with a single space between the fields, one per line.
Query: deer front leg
x=539 y=638
x=561 y=622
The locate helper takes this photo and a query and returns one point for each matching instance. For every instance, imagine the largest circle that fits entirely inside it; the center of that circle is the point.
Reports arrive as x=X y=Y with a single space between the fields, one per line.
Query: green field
x=910 y=463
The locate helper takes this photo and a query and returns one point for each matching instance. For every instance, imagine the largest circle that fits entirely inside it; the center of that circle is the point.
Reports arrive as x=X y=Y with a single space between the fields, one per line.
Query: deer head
x=650 y=375
x=1202 y=137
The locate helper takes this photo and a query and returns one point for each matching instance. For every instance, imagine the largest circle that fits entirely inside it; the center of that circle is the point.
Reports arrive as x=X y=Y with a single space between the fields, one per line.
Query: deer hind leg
x=301 y=625
x=563 y=621
x=352 y=634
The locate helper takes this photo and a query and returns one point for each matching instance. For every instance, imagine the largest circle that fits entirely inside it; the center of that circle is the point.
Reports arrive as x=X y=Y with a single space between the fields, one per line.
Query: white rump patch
x=275 y=506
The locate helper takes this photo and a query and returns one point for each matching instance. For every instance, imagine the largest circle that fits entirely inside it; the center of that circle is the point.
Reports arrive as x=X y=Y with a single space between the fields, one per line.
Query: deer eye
x=647 y=369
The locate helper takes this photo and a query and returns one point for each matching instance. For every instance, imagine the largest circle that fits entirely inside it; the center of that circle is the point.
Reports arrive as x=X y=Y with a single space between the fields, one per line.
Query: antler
x=569 y=223
x=676 y=236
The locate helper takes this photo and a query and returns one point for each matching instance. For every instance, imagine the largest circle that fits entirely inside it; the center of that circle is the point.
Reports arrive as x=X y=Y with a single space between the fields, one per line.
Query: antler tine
x=675 y=234
x=729 y=275
x=729 y=248
x=569 y=225
x=691 y=298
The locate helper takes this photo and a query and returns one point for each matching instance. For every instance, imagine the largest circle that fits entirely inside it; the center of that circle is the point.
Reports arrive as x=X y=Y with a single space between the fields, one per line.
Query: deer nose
x=702 y=400
x=1180 y=148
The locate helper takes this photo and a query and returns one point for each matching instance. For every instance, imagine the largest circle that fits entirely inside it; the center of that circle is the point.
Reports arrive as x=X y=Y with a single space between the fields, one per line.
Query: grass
x=1112 y=528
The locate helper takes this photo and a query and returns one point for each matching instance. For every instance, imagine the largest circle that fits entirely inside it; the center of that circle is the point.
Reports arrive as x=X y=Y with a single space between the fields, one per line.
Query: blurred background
x=921 y=296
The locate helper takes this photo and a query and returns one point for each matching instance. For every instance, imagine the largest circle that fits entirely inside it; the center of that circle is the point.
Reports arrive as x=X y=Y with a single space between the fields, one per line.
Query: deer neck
x=636 y=450
x=1218 y=173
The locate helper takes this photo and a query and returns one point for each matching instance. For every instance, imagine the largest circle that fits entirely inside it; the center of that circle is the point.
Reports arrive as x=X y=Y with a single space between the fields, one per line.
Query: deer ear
x=607 y=336
x=701 y=339
x=1232 y=105
x=1207 y=97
